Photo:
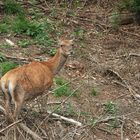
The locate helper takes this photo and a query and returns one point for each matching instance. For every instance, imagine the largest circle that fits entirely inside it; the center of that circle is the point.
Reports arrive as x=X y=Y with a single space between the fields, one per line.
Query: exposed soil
x=105 y=59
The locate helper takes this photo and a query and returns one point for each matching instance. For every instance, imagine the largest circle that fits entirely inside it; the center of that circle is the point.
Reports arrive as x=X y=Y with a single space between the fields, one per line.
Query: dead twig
x=122 y=126
x=133 y=34
x=106 y=131
x=50 y=103
x=9 y=126
x=29 y=131
x=66 y=119
x=124 y=83
x=25 y=60
x=134 y=54
x=11 y=43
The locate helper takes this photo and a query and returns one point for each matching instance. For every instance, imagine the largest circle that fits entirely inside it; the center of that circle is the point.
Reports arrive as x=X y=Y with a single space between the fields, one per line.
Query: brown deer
x=31 y=80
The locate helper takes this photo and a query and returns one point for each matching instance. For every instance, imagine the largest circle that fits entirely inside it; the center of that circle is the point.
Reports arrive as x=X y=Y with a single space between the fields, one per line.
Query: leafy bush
x=30 y=28
x=3 y=28
x=131 y=5
x=12 y=7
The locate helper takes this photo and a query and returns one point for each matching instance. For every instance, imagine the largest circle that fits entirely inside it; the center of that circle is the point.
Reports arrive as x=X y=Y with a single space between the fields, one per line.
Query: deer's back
x=33 y=78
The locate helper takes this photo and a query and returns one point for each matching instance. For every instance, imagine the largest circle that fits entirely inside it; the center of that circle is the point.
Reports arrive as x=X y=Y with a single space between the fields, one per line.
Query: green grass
x=62 y=88
x=40 y=32
x=111 y=108
x=79 y=33
x=24 y=26
x=131 y=5
x=67 y=109
x=12 y=7
x=2 y=58
x=115 y=123
x=93 y=122
x=94 y=92
x=4 y=28
x=6 y=66
x=24 y=43
x=5 y=46
x=115 y=20
x=39 y=29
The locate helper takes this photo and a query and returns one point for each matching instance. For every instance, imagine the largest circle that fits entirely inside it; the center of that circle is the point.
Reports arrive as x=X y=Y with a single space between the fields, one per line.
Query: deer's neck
x=56 y=63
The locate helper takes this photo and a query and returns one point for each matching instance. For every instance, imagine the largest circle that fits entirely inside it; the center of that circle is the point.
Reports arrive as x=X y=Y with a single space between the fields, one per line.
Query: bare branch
x=9 y=126
x=29 y=131
x=66 y=119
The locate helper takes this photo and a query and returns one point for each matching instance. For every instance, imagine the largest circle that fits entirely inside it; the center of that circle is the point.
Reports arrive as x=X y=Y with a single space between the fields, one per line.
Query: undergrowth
x=16 y=21
x=62 y=88
x=12 y=7
x=6 y=66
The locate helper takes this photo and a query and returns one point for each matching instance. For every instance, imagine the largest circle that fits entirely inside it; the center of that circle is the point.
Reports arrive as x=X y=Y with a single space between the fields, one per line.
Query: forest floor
x=104 y=71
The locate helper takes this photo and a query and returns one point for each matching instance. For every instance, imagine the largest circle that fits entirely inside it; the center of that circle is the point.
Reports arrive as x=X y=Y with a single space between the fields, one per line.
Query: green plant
x=5 y=46
x=69 y=110
x=93 y=122
x=24 y=43
x=114 y=123
x=30 y=28
x=3 y=28
x=80 y=33
x=2 y=58
x=12 y=7
x=94 y=92
x=52 y=51
x=44 y=40
x=111 y=107
x=131 y=5
x=62 y=88
x=6 y=66
x=5 y=24
x=115 y=19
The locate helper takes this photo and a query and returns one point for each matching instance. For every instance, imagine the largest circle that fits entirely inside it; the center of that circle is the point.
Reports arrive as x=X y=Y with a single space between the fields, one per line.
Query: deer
x=28 y=81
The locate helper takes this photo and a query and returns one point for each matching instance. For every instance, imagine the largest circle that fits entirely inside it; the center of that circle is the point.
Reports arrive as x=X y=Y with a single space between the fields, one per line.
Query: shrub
x=12 y=7
x=131 y=5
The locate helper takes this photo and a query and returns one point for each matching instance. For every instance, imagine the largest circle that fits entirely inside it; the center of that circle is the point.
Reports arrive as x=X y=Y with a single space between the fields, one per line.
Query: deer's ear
x=71 y=41
x=59 y=42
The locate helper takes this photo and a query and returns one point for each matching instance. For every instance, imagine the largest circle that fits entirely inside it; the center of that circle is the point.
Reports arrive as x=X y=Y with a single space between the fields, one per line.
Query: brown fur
x=31 y=80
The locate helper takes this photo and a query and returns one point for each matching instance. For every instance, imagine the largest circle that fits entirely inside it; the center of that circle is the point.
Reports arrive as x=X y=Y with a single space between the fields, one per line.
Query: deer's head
x=66 y=46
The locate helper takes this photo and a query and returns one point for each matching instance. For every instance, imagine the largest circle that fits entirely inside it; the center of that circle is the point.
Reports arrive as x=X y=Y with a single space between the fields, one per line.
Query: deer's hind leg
x=7 y=103
x=18 y=98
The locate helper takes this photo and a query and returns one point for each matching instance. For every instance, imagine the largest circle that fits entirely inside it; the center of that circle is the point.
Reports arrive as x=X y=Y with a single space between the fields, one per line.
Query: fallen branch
x=29 y=131
x=10 y=43
x=9 y=126
x=64 y=118
x=25 y=60
x=124 y=83
x=108 y=119
x=50 y=103
x=112 y=73
x=106 y=131
x=134 y=54
x=133 y=34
